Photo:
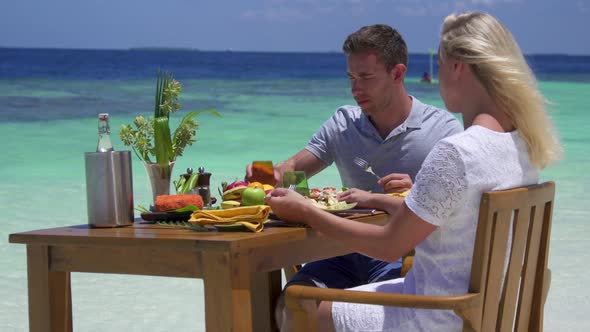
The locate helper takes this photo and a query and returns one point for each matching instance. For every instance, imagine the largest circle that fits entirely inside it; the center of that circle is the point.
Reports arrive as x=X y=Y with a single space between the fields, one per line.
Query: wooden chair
x=490 y=304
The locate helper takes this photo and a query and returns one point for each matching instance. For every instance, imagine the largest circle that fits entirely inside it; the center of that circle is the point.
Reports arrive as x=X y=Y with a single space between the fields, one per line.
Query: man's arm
x=301 y=161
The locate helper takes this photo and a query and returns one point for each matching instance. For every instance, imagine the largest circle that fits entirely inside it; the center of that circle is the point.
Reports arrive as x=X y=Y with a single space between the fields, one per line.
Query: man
x=391 y=130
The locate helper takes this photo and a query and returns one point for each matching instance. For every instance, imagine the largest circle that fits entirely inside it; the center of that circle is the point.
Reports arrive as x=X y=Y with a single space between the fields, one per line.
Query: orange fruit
x=256 y=185
x=267 y=187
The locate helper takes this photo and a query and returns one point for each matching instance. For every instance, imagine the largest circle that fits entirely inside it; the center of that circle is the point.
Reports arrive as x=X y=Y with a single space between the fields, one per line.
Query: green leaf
x=192 y=114
x=189 y=116
x=163 y=143
x=159 y=91
x=188 y=208
x=183 y=186
x=179 y=184
x=141 y=208
x=190 y=183
x=162 y=80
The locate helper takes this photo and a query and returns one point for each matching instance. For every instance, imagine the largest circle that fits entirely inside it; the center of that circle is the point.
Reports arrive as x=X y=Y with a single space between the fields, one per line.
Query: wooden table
x=241 y=271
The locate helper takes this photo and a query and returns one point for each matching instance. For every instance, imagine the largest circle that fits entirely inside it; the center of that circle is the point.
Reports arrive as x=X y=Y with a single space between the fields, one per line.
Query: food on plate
x=323 y=194
x=333 y=205
x=404 y=194
x=173 y=202
x=326 y=199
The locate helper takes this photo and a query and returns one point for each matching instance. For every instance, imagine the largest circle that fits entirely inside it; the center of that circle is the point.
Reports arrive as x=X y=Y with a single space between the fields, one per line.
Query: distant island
x=163 y=49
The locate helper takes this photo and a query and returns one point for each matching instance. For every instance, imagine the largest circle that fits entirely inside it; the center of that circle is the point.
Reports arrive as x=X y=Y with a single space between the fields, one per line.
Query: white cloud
x=300 y=10
x=296 y=10
x=275 y=10
x=425 y=9
x=419 y=8
x=275 y=14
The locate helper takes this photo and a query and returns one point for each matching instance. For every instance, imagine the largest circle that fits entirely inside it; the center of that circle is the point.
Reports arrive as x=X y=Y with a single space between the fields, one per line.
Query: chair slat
x=529 y=269
x=543 y=273
x=479 y=266
x=513 y=274
x=501 y=230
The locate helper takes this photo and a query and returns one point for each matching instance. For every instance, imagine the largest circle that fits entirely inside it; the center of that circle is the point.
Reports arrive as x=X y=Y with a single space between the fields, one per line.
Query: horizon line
x=228 y=50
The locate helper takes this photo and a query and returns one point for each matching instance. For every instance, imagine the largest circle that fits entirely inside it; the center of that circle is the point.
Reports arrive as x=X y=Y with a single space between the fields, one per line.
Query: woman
x=508 y=138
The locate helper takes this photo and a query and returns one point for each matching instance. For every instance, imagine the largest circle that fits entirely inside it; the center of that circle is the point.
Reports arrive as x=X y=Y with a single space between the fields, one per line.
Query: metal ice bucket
x=109 y=188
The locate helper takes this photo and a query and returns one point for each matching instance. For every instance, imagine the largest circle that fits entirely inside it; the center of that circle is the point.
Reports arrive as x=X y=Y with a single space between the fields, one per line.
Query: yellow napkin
x=251 y=217
x=404 y=194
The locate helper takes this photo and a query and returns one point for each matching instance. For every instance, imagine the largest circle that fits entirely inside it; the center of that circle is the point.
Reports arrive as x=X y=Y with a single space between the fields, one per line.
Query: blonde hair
x=481 y=41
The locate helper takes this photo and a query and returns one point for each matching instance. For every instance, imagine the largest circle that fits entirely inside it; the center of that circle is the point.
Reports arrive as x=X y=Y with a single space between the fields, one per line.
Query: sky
x=539 y=26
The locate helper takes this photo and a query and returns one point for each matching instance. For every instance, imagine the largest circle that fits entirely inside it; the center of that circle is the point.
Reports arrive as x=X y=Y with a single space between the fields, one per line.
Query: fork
x=292 y=186
x=365 y=166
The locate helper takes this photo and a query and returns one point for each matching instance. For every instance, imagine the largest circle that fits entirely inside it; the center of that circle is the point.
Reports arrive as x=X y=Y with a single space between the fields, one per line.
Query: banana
x=233 y=193
x=229 y=204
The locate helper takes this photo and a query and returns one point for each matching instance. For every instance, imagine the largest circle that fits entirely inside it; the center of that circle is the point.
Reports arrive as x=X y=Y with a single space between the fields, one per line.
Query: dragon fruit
x=236 y=184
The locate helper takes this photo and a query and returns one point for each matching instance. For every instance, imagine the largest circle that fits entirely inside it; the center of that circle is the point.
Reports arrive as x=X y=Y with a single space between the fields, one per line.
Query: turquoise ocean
x=271 y=104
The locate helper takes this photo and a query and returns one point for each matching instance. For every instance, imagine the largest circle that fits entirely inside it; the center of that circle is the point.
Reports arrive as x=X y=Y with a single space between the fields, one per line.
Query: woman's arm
x=366 y=199
x=403 y=231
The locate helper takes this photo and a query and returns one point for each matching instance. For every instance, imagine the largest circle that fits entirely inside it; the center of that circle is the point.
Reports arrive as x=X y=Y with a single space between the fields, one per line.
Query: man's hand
x=395 y=183
x=363 y=198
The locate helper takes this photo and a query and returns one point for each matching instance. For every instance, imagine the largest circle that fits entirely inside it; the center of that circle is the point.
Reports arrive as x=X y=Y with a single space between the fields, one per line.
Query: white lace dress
x=447 y=194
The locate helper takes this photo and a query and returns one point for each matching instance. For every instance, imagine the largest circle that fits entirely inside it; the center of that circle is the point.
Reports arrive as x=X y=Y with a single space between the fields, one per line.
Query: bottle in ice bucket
x=104 y=134
x=109 y=185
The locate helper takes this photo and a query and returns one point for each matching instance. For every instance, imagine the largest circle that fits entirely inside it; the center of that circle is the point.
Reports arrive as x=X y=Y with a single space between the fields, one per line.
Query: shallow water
x=48 y=124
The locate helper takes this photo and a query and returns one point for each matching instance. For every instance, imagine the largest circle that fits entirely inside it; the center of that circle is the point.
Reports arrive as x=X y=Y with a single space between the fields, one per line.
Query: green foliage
x=152 y=137
x=185 y=184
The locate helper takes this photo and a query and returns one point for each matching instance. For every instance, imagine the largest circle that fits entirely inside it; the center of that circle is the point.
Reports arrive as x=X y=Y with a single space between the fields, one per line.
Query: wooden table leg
x=227 y=293
x=266 y=288
x=50 y=301
x=60 y=297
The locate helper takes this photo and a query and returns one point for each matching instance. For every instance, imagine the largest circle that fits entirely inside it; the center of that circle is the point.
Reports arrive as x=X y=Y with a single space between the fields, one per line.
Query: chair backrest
x=510 y=257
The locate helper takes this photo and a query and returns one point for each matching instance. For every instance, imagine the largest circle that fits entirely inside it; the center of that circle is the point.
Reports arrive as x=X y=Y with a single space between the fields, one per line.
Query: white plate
x=342 y=208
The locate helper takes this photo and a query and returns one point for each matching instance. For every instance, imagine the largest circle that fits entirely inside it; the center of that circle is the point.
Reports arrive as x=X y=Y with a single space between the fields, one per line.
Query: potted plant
x=151 y=138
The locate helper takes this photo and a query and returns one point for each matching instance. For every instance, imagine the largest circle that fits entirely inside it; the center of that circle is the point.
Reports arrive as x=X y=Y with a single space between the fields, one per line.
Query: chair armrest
x=296 y=293
x=299 y=299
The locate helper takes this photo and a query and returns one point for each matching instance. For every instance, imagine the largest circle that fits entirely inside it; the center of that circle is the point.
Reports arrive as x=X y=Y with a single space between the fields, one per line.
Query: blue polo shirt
x=349 y=133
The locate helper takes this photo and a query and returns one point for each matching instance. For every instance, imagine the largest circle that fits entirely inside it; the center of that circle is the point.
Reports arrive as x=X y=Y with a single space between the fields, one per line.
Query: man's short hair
x=382 y=39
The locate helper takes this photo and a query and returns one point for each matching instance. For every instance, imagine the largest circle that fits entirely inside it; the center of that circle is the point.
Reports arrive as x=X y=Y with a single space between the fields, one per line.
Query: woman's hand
x=288 y=205
x=396 y=183
x=361 y=197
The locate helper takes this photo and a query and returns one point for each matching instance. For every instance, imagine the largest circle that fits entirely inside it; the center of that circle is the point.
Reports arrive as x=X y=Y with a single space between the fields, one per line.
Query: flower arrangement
x=152 y=138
